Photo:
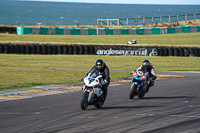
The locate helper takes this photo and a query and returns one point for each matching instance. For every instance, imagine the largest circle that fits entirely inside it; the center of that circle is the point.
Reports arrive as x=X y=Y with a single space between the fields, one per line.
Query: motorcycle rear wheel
x=132 y=91
x=84 y=101
x=99 y=104
x=141 y=95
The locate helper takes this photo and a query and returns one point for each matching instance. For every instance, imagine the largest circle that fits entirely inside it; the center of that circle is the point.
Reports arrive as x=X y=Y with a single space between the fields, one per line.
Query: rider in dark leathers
x=102 y=67
x=148 y=67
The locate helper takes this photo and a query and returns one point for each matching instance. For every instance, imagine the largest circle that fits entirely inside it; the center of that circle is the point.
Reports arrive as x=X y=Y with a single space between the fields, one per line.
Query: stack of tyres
x=171 y=51
x=176 y=52
x=65 y=49
x=60 y=49
x=70 y=49
x=186 y=51
x=81 y=49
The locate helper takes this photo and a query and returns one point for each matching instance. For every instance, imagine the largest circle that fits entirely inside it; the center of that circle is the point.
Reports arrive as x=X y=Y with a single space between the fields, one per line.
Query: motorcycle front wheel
x=132 y=91
x=84 y=101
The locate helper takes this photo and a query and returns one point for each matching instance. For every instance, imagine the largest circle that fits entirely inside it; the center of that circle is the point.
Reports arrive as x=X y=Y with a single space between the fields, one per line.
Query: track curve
x=172 y=105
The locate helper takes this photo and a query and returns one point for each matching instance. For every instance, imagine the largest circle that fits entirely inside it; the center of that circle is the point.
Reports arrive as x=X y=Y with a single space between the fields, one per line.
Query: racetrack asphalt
x=171 y=105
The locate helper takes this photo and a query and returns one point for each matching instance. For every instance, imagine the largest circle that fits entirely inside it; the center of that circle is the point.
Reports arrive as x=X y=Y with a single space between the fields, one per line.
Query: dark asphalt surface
x=171 y=106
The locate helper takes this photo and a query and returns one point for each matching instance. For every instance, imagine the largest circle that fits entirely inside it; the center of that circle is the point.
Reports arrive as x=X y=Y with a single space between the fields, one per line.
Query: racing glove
x=104 y=82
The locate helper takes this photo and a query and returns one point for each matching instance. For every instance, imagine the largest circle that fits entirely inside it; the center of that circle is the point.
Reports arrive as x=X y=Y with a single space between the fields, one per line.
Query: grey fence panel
x=36 y=30
x=132 y=31
x=193 y=28
x=51 y=31
x=147 y=31
x=84 y=31
x=178 y=29
x=116 y=31
x=163 y=30
x=101 y=31
x=67 y=31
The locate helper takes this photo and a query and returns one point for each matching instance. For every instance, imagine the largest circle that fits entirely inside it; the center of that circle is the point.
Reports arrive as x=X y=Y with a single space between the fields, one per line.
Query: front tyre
x=132 y=91
x=84 y=100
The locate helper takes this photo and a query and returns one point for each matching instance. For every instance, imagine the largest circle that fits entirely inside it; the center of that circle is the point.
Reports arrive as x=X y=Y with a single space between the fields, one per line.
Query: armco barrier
x=27 y=30
x=198 y=27
x=171 y=30
x=106 y=31
x=125 y=31
x=75 y=49
x=75 y=31
x=43 y=30
x=92 y=31
x=155 y=30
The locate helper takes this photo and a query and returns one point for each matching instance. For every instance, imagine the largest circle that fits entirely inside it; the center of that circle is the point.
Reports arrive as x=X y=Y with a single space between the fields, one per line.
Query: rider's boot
x=149 y=85
x=104 y=94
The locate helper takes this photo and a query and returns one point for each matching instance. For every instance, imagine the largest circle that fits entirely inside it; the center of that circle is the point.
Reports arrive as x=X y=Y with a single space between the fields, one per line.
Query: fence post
x=169 y=19
x=177 y=18
x=186 y=18
x=97 y=31
x=152 y=21
x=127 y=21
x=118 y=22
x=135 y=21
x=101 y=22
x=161 y=19
x=194 y=17
x=143 y=20
x=97 y=21
x=107 y=22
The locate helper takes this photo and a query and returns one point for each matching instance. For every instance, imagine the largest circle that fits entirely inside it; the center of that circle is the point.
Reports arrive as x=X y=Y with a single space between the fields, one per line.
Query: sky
x=174 y=2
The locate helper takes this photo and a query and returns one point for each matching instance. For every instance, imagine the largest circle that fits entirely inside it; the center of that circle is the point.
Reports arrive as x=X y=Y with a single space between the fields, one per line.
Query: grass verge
x=178 y=39
x=43 y=75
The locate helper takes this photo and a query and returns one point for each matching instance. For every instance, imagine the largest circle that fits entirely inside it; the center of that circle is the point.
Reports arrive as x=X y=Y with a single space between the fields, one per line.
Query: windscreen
x=94 y=73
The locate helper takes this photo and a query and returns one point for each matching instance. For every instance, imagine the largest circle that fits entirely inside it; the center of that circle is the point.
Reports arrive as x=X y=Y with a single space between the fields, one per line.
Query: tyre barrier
x=10 y=30
x=75 y=49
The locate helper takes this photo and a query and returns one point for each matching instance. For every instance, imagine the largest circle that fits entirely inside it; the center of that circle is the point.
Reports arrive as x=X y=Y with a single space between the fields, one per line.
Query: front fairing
x=92 y=84
x=93 y=79
x=140 y=79
x=140 y=76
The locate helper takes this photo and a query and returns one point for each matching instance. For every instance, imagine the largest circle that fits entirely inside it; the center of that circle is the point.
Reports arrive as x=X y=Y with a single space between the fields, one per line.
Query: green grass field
x=179 y=39
x=43 y=74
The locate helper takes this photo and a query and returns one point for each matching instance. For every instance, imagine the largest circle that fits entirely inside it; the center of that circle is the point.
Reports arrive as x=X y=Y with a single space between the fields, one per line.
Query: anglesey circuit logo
x=135 y=51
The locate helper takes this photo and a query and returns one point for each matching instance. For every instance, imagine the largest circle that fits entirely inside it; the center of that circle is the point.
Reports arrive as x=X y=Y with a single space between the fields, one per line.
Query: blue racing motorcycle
x=139 y=84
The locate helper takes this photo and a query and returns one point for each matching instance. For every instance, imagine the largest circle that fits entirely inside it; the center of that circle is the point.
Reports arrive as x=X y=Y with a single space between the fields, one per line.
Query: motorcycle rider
x=102 y=67
x=148 y=67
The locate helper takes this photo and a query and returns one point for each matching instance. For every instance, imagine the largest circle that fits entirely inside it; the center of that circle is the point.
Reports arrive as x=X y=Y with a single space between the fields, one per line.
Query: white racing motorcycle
x=93 y=93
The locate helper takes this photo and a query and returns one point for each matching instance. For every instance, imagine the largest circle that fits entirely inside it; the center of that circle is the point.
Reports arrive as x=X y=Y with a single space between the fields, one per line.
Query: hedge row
x=87 y=49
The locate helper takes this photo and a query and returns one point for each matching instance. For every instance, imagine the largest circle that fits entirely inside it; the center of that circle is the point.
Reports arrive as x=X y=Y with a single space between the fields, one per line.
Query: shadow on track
x=129 y=107
x=172 y=97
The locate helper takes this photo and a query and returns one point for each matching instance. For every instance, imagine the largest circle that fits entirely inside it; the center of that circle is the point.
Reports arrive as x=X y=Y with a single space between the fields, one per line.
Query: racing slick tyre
x=141 y=95
x=99 y=103
x=84 y=101
x=132 y=91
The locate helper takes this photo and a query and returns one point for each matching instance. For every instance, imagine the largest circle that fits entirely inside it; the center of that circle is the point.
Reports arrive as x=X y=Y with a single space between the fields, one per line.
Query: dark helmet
x=146 y=63
x=99 y=64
